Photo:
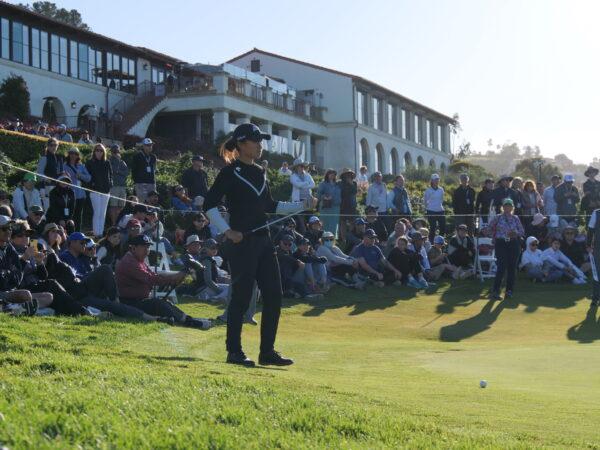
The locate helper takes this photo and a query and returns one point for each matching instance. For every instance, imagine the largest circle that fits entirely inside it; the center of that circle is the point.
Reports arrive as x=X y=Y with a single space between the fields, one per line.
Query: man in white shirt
x=549 y=202
x=433 y=201
x=377 y=194
x=363 y=179
x=285 y=170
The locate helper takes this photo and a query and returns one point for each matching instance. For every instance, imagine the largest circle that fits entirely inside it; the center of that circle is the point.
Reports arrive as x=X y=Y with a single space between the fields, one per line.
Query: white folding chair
x=485 y=264
x=162 y=266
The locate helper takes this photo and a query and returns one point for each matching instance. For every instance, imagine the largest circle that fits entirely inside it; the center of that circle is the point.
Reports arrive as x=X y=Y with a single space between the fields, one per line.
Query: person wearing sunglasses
x=531 y=260
x=248 y=248
x=49 y=167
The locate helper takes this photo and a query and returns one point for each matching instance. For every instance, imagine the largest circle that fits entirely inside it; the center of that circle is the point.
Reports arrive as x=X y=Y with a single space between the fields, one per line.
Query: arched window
x=364 y=152
x=394 y=162
x=53 y=111
x=408 y=162
x=432 y=164
x=443 y=168
x=380 y=165
x=420 y=162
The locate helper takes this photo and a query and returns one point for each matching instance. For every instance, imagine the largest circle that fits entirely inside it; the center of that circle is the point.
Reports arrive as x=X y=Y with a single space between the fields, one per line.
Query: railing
x=279 y=101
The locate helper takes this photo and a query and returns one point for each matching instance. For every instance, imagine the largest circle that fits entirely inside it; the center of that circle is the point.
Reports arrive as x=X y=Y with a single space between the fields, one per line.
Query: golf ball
x=483 y=384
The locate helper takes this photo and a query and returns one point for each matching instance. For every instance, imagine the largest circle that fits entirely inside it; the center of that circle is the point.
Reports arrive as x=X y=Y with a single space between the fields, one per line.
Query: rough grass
x=378 y=369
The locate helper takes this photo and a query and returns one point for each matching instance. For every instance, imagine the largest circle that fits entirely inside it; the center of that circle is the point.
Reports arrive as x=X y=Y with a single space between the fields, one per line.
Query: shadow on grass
x=464 y=329
x=588 y=330
x=461 y=294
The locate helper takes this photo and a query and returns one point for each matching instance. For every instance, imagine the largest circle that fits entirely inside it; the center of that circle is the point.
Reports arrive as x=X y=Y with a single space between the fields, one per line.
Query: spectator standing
x=363 y=179
x=463 y=204
x=62 y=204
x=85 y=138
x=591 y=191
x=62 y=134
x=285 y=170
x=433 y=201
x=78 y=174
x=302 y=185
x=593 y=247
x=92 y=118
x=50 y=166
x=25 y=196
x=504 y=191
x=461 y=251
x=548 y=197
x=398 y=201
x=506 y=231
x=117 y=120
x=532 y=203
x=329 y=194
x=348 y=192
x=484 y=201
x=101 y=182
x=377 y=194
x=567 y=198
x=118 y=191
x=195 y=179
x=517 y=186
x=143 y=170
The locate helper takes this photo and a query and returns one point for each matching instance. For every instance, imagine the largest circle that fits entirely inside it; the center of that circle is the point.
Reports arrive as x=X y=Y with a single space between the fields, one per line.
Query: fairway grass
x=374 y=369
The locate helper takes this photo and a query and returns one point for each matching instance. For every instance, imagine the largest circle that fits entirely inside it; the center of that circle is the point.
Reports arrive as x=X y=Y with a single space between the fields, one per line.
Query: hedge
x=23 y=148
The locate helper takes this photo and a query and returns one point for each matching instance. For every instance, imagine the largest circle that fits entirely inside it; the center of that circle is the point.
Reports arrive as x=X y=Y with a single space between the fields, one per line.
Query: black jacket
x=287 y=265
x=482 y=204
x=500 y=194
x=195 y=182
x=11 y=269
x=379 y=228
x=101 y=172
x=62 y=205
x=463 y=200
x=139 y=165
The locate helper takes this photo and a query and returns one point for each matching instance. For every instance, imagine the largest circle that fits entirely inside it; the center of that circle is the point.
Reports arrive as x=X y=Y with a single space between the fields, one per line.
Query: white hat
x=62 y=126
x=5 y=220
x=435 y=176
x=191 y=239
x=198 y=200
x=328 y=235
x=569 y=177
x=147 y=141
x=90 y=243
x=298 y=162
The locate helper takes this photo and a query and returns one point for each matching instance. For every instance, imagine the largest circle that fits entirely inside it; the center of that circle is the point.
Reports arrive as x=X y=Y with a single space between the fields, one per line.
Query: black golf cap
x=244 y=132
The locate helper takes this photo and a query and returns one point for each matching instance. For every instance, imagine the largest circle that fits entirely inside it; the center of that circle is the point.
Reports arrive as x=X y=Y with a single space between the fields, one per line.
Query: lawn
x=383 y=368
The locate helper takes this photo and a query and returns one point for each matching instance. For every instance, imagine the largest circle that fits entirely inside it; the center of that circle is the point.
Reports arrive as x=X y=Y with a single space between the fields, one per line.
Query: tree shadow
x=461 y=294
x=464 y=329
x=536 y=296
x=588 y=330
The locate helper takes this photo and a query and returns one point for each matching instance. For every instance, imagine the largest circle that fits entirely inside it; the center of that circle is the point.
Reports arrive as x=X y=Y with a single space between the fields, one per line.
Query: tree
x=464 y=150
x=49 y=9
x=14 y=97
x=536 y=169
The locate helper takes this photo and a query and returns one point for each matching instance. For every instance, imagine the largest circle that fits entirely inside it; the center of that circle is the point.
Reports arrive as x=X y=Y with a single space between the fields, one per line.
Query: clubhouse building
x=332 y=118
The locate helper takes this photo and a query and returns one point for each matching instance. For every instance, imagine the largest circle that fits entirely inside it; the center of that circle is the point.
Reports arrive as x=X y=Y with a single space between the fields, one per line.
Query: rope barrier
x=303 y=214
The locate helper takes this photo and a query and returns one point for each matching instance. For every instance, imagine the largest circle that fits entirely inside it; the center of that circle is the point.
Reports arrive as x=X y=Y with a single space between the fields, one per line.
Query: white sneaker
x=14 y=309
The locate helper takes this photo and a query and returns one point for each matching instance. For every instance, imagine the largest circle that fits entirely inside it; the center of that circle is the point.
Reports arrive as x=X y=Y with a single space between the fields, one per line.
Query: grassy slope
x=381 y=369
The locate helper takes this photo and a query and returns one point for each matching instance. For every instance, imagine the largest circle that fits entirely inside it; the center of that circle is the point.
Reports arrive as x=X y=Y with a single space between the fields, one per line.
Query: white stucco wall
x=336 y=89
x=42 y=83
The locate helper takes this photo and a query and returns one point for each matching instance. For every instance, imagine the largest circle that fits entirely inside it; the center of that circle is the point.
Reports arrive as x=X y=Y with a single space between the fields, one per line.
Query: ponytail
x=228 y=151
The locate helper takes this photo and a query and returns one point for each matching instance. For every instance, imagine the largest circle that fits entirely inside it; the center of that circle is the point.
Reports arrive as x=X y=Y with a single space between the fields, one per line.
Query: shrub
x=14 y=97
x=23 y=148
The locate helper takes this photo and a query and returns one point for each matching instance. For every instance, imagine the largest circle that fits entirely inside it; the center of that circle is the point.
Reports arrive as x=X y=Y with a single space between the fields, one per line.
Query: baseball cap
x=249 y=131
x=64 y=177
x=439 y=240
x=134 y=223
x=462 y=226
x=370 y=233
x=78 y=236
x=191 y=239
x=74 y=150
x=90 y=243
x=36 y=209
x=210 y=243
x=140 y=208
x=416 y=235
x=508 y=201
x=141 y=239
x=371 y=208
x=569 y=178
x=313 y=219
x=197 y=158
x=303 y=241
x=360 y=221
x=5 y=220
x=62 y=126
x=147 y=141
x=30 y=177
x=286 y=238
x=435 y=176
x=328 y=235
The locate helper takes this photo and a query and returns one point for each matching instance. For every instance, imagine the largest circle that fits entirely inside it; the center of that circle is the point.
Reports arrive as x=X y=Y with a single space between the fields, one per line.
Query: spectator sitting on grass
x=532 y=262
x=407 y=262
x=399 y=231
x=538 y=229
x=289 y=228
x=574 y=249
x=342 y=269
x=291 y=271
x=109 y=248
x=417 y=244
x=461 y=252
x=179 y=200
x=315 y=268
x=199 y=227
x=199 y=256
x=438 y=260
x=557 y=265
x=314 y=231
x=375 y=222
x=372 y=263
x=355 y=237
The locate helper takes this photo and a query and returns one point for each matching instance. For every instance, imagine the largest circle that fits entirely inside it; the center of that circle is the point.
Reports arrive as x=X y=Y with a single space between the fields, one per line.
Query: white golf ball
x=483 y=384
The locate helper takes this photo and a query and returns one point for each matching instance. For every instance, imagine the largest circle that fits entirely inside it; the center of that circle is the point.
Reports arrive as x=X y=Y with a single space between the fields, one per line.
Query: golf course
x=384 y=368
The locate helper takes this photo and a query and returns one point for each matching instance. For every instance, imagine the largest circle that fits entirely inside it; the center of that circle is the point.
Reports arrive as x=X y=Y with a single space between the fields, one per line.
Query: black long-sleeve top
x=62 y=205
x=484 y=199
x=139 y=168
x=247 y=195
x=102 y=176
x=195 y=182
x=463 y=200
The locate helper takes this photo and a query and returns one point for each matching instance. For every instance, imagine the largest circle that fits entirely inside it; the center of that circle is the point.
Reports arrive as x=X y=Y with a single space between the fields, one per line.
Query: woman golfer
x=243 y=186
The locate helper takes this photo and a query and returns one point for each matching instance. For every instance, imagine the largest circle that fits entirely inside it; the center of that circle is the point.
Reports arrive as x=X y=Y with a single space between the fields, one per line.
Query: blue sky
x=524 y=71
